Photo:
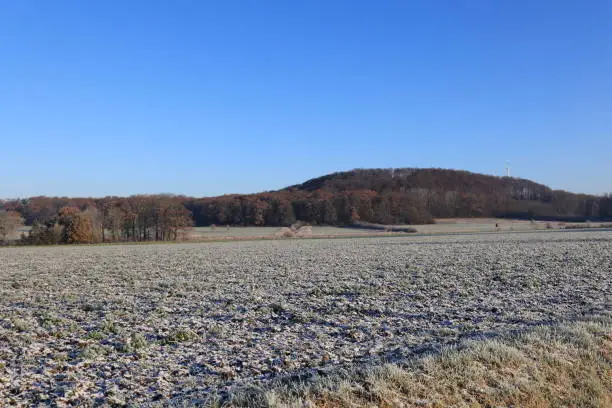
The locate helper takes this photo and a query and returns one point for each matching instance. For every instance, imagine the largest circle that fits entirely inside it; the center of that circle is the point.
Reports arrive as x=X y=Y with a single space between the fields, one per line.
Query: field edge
x=567 y=364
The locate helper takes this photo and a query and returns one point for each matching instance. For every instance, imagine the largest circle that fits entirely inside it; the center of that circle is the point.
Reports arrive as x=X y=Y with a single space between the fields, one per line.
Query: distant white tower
x=507 y=168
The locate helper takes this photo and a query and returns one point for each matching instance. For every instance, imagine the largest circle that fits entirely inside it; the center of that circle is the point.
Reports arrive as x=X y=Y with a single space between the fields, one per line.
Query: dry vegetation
x=567 y=365
x=203 y=234
x=191 y=323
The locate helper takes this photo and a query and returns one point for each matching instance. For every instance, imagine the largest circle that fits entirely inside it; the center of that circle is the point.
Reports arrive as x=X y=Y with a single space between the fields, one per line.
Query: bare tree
x=9 y=222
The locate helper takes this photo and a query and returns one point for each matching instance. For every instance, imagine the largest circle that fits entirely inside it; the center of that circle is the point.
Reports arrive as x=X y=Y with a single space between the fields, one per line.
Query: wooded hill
x=384 y=196
x=399 y=196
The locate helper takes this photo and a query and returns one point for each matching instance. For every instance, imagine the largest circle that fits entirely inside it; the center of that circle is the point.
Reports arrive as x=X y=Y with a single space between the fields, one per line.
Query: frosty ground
x=137 y=323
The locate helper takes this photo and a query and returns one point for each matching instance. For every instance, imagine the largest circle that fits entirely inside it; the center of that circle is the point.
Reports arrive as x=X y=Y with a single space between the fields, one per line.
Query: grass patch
x=180 y=336
x=110 y=327
x=95 y=335
x=138 y=341
x=132 y=344
x=91 y=352
x=21 y=325
x=564 y=365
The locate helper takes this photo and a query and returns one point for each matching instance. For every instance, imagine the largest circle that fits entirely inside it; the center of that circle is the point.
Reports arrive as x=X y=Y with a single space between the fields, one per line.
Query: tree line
x=110 y=219
x=399 y=196
x=381 y=196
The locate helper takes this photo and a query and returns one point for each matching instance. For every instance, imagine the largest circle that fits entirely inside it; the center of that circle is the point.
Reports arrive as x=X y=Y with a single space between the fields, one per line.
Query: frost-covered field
x=136 y=323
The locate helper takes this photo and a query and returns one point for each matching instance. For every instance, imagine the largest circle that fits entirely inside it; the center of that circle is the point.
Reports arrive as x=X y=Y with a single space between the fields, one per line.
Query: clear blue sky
x=211 y=97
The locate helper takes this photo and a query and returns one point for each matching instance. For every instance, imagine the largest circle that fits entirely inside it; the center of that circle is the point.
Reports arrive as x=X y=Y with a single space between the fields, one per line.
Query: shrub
x=304 y=231
x=285 y=233
x=43 y=234
x=298 y=224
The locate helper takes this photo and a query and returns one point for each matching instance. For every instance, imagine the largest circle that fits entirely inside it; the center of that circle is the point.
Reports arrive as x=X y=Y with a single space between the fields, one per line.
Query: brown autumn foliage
x=377 y=196
x=9 y=222
x=78 y=227
x=111 y=219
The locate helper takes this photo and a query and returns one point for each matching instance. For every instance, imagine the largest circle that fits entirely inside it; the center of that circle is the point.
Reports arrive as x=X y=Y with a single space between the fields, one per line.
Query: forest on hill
x=382 y=196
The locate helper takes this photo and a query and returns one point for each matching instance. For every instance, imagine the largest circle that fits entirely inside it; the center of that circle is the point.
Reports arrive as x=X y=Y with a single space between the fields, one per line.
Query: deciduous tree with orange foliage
x=78 y=228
